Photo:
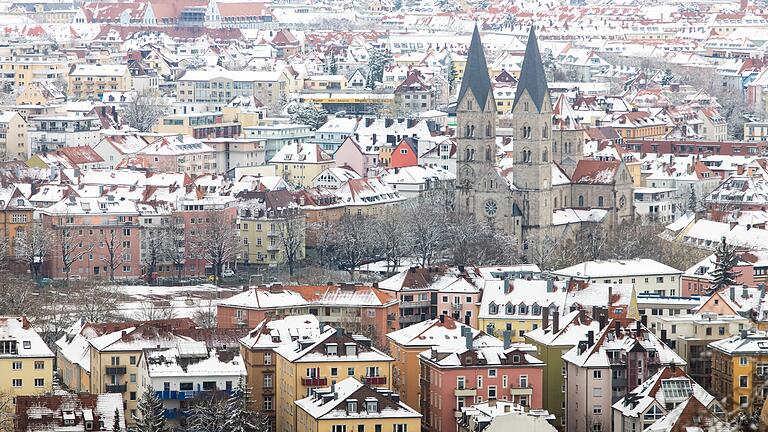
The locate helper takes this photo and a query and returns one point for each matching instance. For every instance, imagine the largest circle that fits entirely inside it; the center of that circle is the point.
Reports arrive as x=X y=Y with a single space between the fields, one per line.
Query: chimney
x=744 y=292
x=664 y=335
x=124 y=336
x=506 y=285
x=744 y=334
x=468 y=340
x=617 y=327
x=545 y=317
x=733 y=293
x=466 y=319
x=638 y=329
x=442 y=318
x=590 y=338
x=507 y=338
x=556 y=321
x=610 y=295
x=644 y=320
x=601 y=321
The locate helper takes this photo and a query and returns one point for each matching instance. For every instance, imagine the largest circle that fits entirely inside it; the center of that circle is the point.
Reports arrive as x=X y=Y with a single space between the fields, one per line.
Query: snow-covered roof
x=28 y=343
x=331 y=403
x=271 y=333
x=180 y=362
x=616 y=268
x=437 y=333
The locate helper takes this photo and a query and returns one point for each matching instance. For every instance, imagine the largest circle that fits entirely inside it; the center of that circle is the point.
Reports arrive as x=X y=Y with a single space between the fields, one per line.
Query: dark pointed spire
x=476 y=77
x=532 y=75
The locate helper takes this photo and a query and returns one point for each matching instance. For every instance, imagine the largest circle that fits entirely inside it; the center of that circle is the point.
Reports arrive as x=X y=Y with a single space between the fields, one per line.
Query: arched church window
x=555 y=206
x=600 y=201
x=488 y=130
x=544 y=131
x=471 y=154
x=581 y=200
x=472 y=131
x=466 y=154
x=526 y=156
x=466 y=132
x=544 y=156
x=488 y=154
x=554 y=147
x=469 y=105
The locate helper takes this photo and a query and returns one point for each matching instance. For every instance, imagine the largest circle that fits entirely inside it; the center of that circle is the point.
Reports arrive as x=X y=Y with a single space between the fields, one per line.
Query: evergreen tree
x=450 y=73
x=667 y=77
x=398 y=4
x=693 y=202
x=726 y=259
x=151 y=413
x=331 y=64
x=240 y=418
x=378 y=59
x=116 y=424
x=308 y=114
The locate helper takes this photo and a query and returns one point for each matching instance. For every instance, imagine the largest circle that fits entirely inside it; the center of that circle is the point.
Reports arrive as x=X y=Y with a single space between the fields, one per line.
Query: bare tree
x=33 y=246
x=70 y=249
x=550 y=249
x=172 y=245
x=114 y=241
x=292 y=237
x=216 y=241
x=152 y=243
x=144 y=110
x=392 y=234
x=153 y=311
x=474 y=242
x=350 y=243
x=94 y=302
x=19 y=297
x=427 y=230
x=6 y=412
x=205 y=315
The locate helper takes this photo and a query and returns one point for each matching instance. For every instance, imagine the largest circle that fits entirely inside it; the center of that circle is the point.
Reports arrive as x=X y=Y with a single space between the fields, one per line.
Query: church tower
x=481 y=191
x=532 y=123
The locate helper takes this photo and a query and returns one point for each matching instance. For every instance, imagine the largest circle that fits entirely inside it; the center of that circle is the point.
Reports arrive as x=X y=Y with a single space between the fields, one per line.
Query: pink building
x=452 y=379
x=350 y=153
x=96 y=236
x=460 y=299
x=195 y=215
x=697 y=280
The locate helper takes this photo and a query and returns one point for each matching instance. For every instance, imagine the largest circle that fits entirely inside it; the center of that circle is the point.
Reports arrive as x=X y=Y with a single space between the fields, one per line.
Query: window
x=743 y=381
x=400 y=427
x=597 y=410
x=16 y=382
x=39 y=382
x=491 y=392
x=597 y=374
x=743 y=361
x=491 y=373
x=523 y=381
x=39 y=365
x=17 y=365
x=743 y=401
x=133 y=395
x=339 y=428
x=267 y=403
x=460 y=383
x=350 y=371
x=186 y=386
x=597 y=427
x=334 y=371
x=267 y=358
x=115 y=361
x=132 y=360
x=132 y=378
x=479 y=381
x=267 y=380
x=351 y=406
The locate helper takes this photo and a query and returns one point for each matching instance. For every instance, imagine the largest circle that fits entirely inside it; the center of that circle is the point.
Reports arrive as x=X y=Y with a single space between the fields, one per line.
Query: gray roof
x=532 y=75
x=476 y=77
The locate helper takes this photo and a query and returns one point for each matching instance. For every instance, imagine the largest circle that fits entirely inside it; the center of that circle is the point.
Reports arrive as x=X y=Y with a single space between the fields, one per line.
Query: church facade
x=547 y=184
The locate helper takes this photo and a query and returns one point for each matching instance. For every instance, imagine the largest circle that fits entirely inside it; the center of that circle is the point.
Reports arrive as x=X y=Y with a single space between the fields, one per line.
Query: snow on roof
x=302 y=154
x=575 y=216
x=434 y=333
x=111 y=70
x=28 y=342
x=174 y=362
x=616 y=268
x=278 y=296
x=310 y=351
x=573 y=328
x=755 y=343
x=272 y=333
x=330 y=402
x=416 y=175
x=668 y=386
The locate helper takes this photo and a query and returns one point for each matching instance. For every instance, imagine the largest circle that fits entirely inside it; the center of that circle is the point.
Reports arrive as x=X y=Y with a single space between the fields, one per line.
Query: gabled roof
x=476 y=77
x=532 y=75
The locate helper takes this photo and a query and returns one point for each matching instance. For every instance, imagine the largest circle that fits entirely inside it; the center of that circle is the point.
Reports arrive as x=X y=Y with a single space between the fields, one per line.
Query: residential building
x=406 y=344
x=277 y=136
x=603 y=368
x=22 y=69
x=453 y=378
x=349 y=153
x=645 y=274
x=187 y=371
x=72 y=412
x=232 y=153
x=179 y=153
x=421 y=181
x=14 y=140
x=205 y=125
x=299 y=164
x=756 y=131
x=697 y=280
x=359 y=308
x=658 y=396
x=551 y=342
x=79 y=157
x=656 y=204
x=414 y=93
x=497 y=416
x=26 y=362
x=215 y=89
x=91 y=81
x=16 y=217
x=350 y=405
x=272 y=228
x=257 y=351
x=327 y=360
x=739 y=370
x=52 y=132
x=114 y=148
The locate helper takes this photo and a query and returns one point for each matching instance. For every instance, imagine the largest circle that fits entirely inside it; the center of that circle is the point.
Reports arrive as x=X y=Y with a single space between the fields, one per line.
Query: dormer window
x=27 y=344
x=372 y=406
x=510 y=309
x=351 y=406
x=493 y=308
x=331 y=349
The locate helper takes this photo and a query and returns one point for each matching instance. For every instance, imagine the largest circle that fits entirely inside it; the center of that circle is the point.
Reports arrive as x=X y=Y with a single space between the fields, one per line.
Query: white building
x=646 y=275
x=657 y=204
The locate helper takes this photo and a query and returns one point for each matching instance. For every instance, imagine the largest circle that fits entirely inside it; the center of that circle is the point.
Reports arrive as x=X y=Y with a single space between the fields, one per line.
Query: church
x=546 y=183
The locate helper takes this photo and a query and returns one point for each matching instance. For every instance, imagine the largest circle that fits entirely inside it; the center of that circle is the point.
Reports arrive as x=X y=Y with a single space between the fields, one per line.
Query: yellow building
x=266 y=232
x=90 y=81
x=25 y=68
x=14 y=141
x=40 y=93
x=740 y=370
x=325 y=361
x=15 y=217
x=325 y=82
x=299 y=164
x=367 y=410
x=26 y=362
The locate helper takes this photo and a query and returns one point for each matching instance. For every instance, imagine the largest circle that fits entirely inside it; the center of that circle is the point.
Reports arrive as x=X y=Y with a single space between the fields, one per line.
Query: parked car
x=228 y=273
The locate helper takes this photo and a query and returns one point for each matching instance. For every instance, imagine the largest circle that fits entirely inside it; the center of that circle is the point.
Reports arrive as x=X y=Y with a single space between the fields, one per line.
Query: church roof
x=476 y=76
x=532 y=76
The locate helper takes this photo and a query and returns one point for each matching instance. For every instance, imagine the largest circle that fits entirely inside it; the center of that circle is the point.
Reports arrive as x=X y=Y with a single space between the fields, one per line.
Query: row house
x=364 y=309
x=257 y=350
x=452 y=378
x=94 y=238
x=602 y=369
x=351 y=405
x=333 y=357
x=16 y=217
x=406 y=344
x=742 y=193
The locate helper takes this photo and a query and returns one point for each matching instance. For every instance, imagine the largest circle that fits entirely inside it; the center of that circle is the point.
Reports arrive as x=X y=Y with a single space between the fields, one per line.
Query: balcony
x=376 y=380
x=456 y=306
x=115 y=370
x=415 y=304
x=116 y=388
x=411 y=319
x=465 y=392
x=520 y=391
x=272 y=233
x=314 y=382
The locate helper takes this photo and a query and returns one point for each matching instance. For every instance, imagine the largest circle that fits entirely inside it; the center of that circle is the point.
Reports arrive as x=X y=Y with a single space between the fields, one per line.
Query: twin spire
x=476 y=79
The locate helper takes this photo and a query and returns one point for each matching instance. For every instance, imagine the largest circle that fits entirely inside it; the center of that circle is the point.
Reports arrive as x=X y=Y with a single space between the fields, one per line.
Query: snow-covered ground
x=142 y=302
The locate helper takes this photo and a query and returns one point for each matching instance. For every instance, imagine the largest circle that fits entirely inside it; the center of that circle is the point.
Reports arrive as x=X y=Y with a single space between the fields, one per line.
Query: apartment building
x=96 y=238
x=645 y=274
x=327 y=360
x=406 y=344
x=26 y=362
x=740 y=370
x=52 y=132
x=181 y=154
x=204 y=125
x=350 y=405
x=22 y=69
x=277 y=136
x=299 y=164
x=217 y=88
x=16 y=214
x=452 y=379
x=91 y=81
x=76 y=412
x=14 y=140
x=272 y=227
x=257 y=351
x=602 y=369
